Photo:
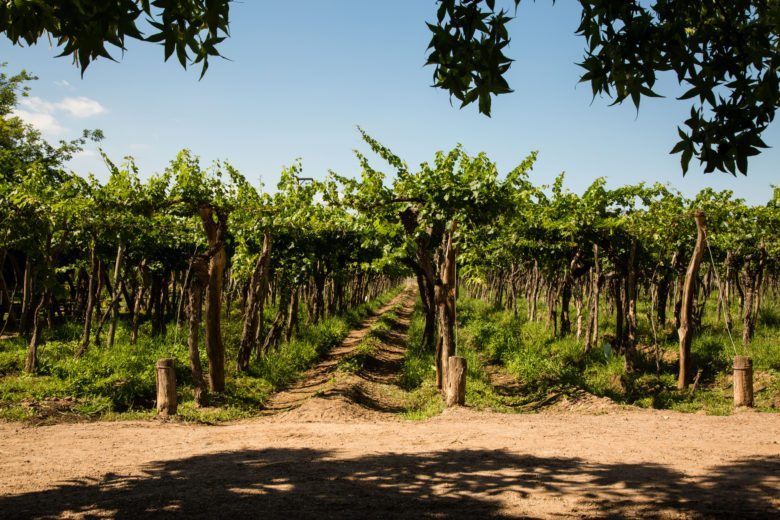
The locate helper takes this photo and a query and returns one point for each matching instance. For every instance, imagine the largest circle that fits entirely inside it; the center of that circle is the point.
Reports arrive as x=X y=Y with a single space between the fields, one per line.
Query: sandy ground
x=326 y=454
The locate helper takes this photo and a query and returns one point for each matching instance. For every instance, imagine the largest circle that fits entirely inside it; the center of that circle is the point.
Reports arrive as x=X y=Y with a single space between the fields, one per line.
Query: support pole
x=743 y=381
x=166 y=387
x=456 y=381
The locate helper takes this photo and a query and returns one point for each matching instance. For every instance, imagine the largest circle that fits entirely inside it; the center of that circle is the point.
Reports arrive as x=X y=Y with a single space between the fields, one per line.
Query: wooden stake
x=456 y=381
x=696 y=382
x=743 y=381
x=166 y=387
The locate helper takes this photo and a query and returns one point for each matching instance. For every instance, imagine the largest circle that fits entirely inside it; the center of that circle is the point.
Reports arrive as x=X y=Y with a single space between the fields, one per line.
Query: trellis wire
x=455 y=309
x=720 y=289
x=181 y=298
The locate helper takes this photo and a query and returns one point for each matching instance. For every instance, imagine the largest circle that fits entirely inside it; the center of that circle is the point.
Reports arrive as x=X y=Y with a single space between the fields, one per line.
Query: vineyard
x=193 y=324
x=452 y=338
x=336 y=309
x=636 y=294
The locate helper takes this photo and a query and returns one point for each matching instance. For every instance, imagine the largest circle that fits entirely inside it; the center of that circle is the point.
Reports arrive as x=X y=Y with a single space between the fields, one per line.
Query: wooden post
x=456 y=381
x=696 y=382
x=743 y=381
x=166 y=387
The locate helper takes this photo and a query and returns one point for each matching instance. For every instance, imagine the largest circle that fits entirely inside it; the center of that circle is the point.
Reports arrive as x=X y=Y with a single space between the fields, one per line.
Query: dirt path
x=332 y=449
x=460 y=464
x=326 y=392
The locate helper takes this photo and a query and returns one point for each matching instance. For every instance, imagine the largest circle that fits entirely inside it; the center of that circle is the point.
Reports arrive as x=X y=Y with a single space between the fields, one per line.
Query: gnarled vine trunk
x=90 y=302
x=565 y=301
x=274 y=335
x=137 y=303
x=631 y=320
x=319 y=275
x=215 y=349
x=685 y=331
x=113 y=306
x=292 y=315
x=253 y=312
x=751 y=273
x=27 y=296
x=427 y=271
x=444 y=291
x=592 y=332
x=198 y=279
x=31 y=361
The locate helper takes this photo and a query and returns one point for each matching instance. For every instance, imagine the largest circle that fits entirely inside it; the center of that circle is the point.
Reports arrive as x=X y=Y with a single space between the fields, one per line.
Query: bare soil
x=334 y=448
x=327 y=393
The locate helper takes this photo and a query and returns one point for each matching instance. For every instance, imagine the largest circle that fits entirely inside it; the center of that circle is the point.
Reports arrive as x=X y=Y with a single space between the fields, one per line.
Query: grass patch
x=419 y=364
x=356 y=360
x=120 y=384
x=541 y=364
x=418 y=375
x=423 y=402
x=16 y=412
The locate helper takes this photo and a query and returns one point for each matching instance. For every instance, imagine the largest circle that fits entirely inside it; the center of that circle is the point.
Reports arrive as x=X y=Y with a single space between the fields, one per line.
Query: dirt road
x=327 y=393
x=322 y=461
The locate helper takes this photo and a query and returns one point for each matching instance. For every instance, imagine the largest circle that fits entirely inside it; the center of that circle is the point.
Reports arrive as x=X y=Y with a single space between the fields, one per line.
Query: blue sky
x=303 y=73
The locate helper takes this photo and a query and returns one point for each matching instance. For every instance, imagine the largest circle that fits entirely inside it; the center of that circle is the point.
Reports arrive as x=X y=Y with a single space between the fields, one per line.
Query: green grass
x=542 y=364
x=419 y=364
x=423 y=402
x=418 y=375
x=120 y=383
x=356 y=360
x=16 y=412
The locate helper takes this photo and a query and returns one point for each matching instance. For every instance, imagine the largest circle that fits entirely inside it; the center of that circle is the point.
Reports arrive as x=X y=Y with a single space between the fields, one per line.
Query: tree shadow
x=310 y=483
x=357 y=394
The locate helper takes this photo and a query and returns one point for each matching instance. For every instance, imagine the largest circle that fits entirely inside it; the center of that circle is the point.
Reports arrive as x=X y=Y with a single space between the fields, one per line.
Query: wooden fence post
x=743 y=381
x=456 y=381
x=166 y=387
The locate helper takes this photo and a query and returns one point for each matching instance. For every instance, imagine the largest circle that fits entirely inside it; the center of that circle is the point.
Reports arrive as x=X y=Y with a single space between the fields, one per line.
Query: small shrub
x=606 y=378
x=769 y=316
x=424 y=402
x=11 y=360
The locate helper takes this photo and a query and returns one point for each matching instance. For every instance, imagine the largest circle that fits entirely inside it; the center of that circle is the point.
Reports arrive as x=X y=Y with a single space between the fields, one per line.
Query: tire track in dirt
x=327 y=393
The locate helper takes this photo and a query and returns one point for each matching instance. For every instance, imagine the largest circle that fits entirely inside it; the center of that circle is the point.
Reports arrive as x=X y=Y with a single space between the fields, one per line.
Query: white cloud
x=36 y=104
x=42 y=114
x=81 y=106
x=64 y=83
x=44 y=122
x=84 y=153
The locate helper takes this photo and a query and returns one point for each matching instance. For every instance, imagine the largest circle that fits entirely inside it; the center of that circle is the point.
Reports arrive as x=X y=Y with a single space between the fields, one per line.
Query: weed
x=356 y=360
x=120 y=383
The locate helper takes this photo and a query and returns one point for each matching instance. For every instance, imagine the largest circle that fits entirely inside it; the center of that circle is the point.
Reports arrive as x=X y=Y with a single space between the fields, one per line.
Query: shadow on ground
x=309 y=483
